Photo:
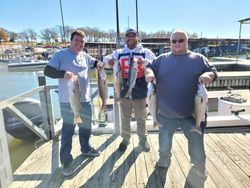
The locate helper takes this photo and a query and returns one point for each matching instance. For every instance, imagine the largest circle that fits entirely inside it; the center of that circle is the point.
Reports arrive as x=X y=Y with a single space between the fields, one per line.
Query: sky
x=207 y=18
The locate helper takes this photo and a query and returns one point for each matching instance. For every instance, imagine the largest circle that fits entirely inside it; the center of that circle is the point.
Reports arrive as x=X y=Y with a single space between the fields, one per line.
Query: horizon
x=204 y=19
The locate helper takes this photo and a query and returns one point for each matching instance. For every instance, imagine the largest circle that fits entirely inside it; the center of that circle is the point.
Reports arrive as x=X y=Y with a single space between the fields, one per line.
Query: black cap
x=130 y=31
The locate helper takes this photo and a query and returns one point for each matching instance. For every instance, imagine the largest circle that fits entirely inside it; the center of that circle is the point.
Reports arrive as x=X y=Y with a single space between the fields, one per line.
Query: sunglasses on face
x=174 y=41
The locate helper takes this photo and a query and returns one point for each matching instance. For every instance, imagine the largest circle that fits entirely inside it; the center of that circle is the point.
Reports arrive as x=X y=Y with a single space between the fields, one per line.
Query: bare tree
x=45 y=35
x=13 y=36
x=54 y=34
x=32 y=35
x=59 y=29
x=68 y=31
x=24 y=37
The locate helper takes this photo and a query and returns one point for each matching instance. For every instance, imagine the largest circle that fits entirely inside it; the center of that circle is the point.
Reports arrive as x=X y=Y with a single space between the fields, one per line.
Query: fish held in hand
x=132 y=76
x=103 y=92
x=118 y=79
x=200 y=108
x=74 y=98
x=152 y=103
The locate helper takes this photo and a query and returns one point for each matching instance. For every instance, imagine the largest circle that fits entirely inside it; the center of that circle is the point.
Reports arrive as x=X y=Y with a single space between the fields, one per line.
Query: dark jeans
x=195 y=140
x=68 y=129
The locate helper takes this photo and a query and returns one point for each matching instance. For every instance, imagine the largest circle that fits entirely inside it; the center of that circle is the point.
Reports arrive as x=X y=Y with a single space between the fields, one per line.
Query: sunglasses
x=174 y=41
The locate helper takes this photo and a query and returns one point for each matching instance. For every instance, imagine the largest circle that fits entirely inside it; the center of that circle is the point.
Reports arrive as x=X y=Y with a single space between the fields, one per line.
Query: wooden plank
x=229 y=162
x=243 y=155
x=49 y=167
x=101 y=165
x=129 y=165
x=164 y=174
x=233 y=153
x=243 y=141
x=118 y=172
x=183 y=143
x=140 y=164
x=222 y=166
x=57 y=178
x=106 y=169
x=6 y=177
x=26 y=121
x=87 y=167
x=25 y=172
x=178 y=175
x=155 y=174
x=51 y=119
x=40 y=172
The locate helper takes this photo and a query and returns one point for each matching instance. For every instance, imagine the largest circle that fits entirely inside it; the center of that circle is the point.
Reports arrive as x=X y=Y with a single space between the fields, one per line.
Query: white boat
x=224 y=113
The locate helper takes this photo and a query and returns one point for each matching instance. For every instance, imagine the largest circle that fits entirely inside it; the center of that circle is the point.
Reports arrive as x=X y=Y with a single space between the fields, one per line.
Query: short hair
x=179 y=31
x=77 y=32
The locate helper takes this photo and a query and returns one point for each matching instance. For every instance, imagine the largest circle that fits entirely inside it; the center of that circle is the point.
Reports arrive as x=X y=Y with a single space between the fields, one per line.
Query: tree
x=28 y=35
x=3 y=35
x=45 y=35
x=13 y=36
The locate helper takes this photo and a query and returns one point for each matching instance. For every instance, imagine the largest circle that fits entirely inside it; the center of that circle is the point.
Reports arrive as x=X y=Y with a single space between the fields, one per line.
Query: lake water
x=15 y=83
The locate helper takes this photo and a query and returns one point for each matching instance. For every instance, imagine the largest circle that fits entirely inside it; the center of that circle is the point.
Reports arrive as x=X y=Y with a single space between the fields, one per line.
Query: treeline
x=55 y=34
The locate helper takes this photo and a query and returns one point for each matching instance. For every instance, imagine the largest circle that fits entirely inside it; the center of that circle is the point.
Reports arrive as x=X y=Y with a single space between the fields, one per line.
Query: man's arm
x=53 y=73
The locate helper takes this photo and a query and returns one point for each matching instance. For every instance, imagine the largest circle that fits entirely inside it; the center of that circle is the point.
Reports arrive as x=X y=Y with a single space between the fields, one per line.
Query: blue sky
x=211 y=18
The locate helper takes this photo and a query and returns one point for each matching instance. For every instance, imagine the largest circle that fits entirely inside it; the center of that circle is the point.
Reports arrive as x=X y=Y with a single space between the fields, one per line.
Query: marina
x=30 y=114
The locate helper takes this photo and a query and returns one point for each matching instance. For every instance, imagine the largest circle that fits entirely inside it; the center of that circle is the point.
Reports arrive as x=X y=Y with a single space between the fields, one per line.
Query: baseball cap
x=130 y=31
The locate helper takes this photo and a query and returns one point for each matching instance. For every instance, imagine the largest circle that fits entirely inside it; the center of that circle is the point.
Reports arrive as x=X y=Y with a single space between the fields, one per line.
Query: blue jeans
x=68 y=129
x=195 y=140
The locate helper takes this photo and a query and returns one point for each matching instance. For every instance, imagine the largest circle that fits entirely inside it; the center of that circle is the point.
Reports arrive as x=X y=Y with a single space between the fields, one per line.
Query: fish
x=132 y=76
x=103 y=92
x=74 y=98
x=118 y=80
x=200 y=108
x=152 y=103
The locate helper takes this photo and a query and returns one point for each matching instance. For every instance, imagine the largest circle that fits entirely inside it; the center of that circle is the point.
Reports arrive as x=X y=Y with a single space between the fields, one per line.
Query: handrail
x=6 y=176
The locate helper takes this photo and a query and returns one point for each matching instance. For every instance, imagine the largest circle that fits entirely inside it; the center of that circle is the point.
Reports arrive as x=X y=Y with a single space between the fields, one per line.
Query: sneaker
x=123 y=146
x=67 y=169
x=144 y=145
x=92 y=153
x=163 y=163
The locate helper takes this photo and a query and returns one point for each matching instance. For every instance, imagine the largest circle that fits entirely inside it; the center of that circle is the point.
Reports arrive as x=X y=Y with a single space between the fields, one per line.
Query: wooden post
x=44 y=104
x=6 y=177
x=117 y=116
x=47 y=109
x=51 y=119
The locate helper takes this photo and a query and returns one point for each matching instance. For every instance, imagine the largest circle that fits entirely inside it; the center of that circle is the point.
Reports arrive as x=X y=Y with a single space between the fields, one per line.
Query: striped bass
x=74 y=98
x=132 y=76
x=200 y=108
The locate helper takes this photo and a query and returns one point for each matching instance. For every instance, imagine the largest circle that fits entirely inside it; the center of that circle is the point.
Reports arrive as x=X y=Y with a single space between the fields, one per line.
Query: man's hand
x=140 y=61
x=149 y=75
x=206 y=78
x=111 y=62
x=68 y=75
x=100 y=65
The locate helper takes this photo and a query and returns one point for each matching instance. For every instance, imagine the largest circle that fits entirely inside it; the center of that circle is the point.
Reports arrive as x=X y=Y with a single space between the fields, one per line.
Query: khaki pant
x=139 y=106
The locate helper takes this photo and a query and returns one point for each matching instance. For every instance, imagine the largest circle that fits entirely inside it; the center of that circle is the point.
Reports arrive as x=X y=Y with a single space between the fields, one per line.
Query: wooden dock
x=227 y=150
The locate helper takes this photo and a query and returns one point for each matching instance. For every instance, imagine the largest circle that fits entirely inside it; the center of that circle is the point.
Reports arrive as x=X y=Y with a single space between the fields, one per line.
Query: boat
x=228 y=108
x=29 y=107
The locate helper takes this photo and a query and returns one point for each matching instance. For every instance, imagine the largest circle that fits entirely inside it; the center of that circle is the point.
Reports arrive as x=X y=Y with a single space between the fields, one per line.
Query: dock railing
x=46 y=132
